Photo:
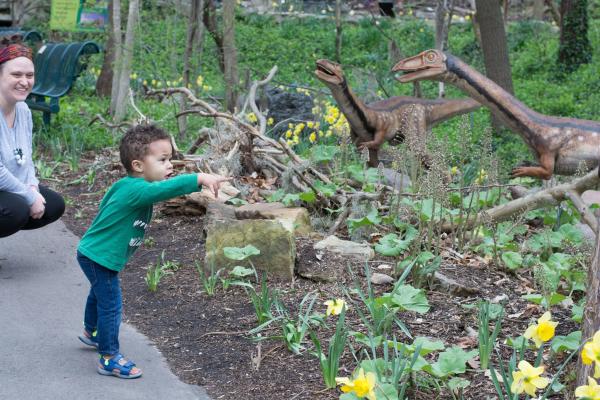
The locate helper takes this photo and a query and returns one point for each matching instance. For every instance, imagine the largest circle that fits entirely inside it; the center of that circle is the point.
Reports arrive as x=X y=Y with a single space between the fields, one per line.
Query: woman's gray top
x=16 y=166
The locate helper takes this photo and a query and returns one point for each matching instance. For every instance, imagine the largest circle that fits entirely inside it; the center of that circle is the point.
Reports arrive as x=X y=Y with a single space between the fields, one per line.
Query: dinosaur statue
x=561 y=145
x=390 y=119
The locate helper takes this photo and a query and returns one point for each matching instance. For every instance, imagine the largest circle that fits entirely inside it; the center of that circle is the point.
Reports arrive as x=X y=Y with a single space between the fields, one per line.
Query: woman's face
x=16 y=79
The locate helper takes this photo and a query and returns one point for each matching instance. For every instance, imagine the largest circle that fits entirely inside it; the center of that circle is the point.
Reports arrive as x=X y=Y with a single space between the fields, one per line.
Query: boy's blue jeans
x=103 y=307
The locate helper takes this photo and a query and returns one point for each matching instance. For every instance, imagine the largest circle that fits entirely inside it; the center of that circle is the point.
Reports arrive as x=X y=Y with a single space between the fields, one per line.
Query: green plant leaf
x=290 y=198
x=321 y=152
x=452 y=361
x=392 y=245
x=240 y=253
x=276 y=195
x=308 y=197
x=512 y=260
x=577 y=312
x=458 y=383
x=570 y=342
x=328 y=189
x=409 y=298
x=517 y=343
x=572 y=234
x=385 y=391
x=371 y=218
x=427 y=345
x=240 y=272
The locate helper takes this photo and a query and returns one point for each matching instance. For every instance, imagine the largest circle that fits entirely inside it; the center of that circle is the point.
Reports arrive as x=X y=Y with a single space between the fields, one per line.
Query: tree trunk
x=538 y=9
x=209 y=17
x=338 y=31
x=230 y=55
x=443 y=19
x=104 y=82
x=127 y=56
x=574 y=48
x=189 y=48
x=118 y=52
x=591 y=317
x=494 y=46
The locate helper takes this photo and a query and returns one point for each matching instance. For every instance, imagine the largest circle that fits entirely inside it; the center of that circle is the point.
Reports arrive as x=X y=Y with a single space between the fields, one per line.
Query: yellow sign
x=79 y=15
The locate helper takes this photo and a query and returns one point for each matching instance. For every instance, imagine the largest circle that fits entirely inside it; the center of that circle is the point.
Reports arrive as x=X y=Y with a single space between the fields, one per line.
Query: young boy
x=118 y=230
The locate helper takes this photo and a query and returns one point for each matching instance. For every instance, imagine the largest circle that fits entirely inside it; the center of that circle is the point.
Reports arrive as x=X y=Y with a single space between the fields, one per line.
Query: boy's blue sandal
x=89 y=340
x=117 y=366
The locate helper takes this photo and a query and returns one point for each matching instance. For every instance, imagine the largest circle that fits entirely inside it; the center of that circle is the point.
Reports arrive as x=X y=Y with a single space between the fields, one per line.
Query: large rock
x=285 y=105
x=275 y=242
x=362 y=251
x=296 y=220
x=396 y=179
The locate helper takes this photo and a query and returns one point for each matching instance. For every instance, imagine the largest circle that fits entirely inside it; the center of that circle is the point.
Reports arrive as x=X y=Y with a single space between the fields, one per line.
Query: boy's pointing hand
x=212 y=182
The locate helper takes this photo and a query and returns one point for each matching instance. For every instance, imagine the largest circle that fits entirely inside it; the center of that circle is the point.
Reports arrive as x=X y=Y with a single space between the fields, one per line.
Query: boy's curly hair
x=134 y=145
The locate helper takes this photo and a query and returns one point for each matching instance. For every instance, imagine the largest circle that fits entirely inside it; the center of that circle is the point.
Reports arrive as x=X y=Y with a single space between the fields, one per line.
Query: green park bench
x=57 y=66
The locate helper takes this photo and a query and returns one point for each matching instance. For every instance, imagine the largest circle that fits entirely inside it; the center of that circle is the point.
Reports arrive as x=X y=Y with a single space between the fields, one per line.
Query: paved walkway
x=42 y=296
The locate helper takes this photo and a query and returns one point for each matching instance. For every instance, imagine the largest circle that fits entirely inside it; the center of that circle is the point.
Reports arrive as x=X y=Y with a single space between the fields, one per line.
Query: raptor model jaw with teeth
x=430 y=64
x=561 y=145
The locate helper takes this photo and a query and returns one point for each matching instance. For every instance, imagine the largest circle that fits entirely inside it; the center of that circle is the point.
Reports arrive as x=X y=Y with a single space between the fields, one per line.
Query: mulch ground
x=205 y=340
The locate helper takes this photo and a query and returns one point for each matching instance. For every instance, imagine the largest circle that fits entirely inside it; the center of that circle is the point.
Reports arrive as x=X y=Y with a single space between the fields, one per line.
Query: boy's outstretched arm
x=212 y=182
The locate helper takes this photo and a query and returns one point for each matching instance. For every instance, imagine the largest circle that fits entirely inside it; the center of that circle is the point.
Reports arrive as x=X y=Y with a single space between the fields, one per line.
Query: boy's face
x=156 y=165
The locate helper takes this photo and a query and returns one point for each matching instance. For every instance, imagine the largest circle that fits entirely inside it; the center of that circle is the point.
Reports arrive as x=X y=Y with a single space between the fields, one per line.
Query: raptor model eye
x=430 y=57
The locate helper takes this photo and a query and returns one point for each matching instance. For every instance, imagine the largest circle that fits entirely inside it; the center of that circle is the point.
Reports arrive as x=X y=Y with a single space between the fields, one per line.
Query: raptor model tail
x=453 y=108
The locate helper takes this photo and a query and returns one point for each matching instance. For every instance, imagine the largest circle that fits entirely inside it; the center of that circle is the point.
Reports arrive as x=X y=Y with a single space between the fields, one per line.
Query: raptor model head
x=429 y=64
x=329 y=72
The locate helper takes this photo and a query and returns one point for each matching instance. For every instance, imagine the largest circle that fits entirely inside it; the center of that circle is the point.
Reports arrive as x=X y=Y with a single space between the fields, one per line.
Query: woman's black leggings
x=14 y=211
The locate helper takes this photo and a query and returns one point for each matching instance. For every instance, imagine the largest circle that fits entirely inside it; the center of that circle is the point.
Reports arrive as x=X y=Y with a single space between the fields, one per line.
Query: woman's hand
x=37 y=209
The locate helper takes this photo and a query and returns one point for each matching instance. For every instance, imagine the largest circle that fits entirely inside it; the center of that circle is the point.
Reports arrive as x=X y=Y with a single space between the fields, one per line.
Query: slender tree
x=591 y=312
x=192 y=34
x=126 y=59
x=575 y=48
x=494 y=46
x=104 y=82
x=118 y=50
x=443 y=19
x=230 y=55
x=209 y=17
x=338 y=31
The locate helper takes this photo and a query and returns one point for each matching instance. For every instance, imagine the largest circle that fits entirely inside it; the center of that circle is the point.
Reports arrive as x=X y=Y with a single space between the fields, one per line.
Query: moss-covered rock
x=275 y=242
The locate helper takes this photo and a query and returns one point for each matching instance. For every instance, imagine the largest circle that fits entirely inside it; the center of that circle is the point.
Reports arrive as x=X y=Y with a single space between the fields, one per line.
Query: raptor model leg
x=543 y=171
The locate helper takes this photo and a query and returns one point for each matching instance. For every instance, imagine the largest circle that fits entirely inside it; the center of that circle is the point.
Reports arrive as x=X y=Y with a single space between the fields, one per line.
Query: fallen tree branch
x=548 y=197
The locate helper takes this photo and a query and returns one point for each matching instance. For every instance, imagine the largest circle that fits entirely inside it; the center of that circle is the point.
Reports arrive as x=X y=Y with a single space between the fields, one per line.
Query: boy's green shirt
x=124 y=214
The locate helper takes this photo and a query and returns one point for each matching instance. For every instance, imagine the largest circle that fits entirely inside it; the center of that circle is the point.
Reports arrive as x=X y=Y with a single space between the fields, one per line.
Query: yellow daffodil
x=527 y=379
x=542 y=331
x=133 y=76
x=158 y=83
x=145 y=82
x=454 y=171
x=270 y=121
x=362 y=386
x=481 y=177
x=251 y=117
x=334 y=307
x=588 y=392
x=288 y=134
x=290 y=142
x=168 y=83
x=199 y=80
x=591 y=353
x=153 y=82
x=310 y=124
x=312 y=137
